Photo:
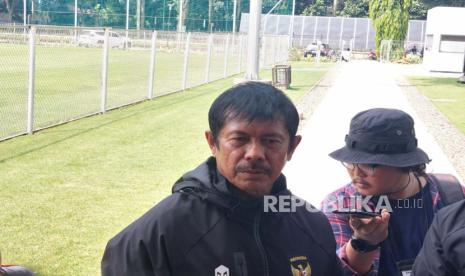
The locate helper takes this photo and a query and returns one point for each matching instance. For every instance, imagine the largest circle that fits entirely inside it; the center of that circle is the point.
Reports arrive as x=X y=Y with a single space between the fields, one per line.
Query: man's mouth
x=362 y=185
x=253 y=171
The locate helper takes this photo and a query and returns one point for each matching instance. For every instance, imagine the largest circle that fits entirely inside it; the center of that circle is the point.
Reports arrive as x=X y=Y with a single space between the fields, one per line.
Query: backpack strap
x=449 y=188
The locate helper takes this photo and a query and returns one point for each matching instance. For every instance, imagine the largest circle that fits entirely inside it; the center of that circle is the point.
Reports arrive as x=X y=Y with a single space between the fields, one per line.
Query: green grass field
x=68 y=81
x=65 y=191
x=447 y=95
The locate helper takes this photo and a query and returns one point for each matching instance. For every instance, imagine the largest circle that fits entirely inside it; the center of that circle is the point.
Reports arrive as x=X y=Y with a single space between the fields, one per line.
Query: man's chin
x=255 y=188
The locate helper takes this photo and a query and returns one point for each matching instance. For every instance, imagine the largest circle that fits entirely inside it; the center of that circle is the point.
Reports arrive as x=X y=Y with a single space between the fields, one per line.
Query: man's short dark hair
x=253 y=101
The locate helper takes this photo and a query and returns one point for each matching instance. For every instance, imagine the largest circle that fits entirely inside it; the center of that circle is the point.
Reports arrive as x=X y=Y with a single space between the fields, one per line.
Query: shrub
x=295 y=54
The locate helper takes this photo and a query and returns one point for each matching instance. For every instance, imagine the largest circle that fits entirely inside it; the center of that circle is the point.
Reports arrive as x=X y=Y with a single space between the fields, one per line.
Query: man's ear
x=295 y=142
x=211 y=141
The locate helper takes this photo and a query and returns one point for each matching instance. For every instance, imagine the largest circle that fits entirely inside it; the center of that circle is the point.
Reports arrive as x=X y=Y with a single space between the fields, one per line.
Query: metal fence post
x=152 y=64
x=225 y=72
x=314 y=29
x=327 y=32
x=408 y=31
x=209 y=56
x=340 y=33
x=241 y=47
x=31 y=77
x=302 y=31
x=186 y=61
x=368 y=33
x=355 y=34
x=103 y=102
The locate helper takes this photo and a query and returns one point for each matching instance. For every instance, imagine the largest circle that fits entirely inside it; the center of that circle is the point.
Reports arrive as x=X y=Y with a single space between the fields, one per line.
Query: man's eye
x=273 y=141
x=239 y=139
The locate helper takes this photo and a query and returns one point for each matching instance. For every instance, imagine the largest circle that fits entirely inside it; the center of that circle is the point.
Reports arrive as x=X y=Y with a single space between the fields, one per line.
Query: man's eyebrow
x=238 y=132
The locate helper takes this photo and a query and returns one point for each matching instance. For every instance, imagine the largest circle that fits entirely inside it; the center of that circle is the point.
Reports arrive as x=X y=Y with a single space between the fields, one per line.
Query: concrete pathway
x=359 y=85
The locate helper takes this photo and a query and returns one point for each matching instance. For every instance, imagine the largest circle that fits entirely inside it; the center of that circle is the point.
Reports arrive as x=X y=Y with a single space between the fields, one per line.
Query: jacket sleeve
x=139 y=249
x=434 y=258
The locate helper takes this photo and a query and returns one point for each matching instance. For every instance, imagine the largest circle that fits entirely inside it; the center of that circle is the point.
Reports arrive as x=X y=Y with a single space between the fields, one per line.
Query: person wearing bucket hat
x=387 y=169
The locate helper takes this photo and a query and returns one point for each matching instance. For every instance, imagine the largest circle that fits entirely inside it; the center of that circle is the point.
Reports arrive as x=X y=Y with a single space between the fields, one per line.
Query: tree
x=318 y=8
x=10 y=7
x=183 y=9
x=418 y=10
x=390 y=19
x=355 y=8
x=300 y=5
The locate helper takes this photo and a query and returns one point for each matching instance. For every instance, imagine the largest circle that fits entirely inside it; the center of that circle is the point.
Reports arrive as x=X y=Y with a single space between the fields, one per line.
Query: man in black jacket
x=233 y=215
x=443 y=251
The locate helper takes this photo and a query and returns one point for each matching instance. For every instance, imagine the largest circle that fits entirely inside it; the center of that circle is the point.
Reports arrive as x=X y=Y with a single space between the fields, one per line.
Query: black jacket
x=205 y=226
x=443 y=251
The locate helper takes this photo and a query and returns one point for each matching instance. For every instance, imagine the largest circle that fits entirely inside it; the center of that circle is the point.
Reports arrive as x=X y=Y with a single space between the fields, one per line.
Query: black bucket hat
x=381 y=136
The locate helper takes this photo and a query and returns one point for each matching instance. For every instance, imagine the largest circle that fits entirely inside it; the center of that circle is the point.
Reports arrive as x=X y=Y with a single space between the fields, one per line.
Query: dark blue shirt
x=408 y=225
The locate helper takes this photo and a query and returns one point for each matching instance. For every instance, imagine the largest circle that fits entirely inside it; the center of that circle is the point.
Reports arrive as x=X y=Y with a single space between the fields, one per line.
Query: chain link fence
x=51 y=75
x=13 y=81
x=334 y=31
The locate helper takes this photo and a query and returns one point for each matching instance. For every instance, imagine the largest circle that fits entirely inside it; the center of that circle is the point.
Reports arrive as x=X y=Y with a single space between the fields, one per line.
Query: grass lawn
x=447 y=95
x=65 y=191
x=68 y=81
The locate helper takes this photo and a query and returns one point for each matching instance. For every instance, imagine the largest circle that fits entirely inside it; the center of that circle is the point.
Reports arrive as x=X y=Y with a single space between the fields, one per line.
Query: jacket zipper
x=261 y=249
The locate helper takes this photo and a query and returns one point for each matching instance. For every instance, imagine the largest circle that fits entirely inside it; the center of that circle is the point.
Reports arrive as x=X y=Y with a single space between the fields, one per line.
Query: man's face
x=385 y=181
x=252 y=155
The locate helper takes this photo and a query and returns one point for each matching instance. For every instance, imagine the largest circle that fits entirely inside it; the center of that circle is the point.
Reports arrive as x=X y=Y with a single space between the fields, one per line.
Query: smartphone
x=357 y=213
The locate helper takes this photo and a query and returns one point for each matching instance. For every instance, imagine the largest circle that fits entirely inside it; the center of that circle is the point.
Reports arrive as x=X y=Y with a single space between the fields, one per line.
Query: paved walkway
x=359 y=85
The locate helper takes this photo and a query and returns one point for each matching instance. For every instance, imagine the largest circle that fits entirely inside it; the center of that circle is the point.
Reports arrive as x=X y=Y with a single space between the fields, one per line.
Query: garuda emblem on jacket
x=300 y=266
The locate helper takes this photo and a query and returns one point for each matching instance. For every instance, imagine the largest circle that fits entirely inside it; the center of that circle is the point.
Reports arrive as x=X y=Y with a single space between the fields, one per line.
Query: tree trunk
x=138 y=15
x=334 y=7
x=10 y=8
x=185 y=9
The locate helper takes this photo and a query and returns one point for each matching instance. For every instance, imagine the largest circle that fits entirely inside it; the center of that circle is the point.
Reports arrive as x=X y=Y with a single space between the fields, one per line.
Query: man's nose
x=255 y=151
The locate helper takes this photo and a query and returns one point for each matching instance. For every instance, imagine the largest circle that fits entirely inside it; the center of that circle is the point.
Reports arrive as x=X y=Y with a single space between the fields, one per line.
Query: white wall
x=448 y=56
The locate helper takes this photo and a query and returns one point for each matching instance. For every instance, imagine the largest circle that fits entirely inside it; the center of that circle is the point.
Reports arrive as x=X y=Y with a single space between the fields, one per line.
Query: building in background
x=445 y=39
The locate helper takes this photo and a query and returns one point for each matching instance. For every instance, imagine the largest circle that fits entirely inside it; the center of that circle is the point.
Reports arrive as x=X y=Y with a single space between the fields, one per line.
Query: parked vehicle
x=95 y=38
x=312 y=49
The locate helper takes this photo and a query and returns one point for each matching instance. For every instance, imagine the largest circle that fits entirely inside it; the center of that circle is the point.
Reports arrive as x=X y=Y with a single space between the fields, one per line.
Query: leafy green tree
x=354 y=8
x=12 y=9
x=318 y=8
x=301 y=5
x=418 y=10
x=390 y=19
